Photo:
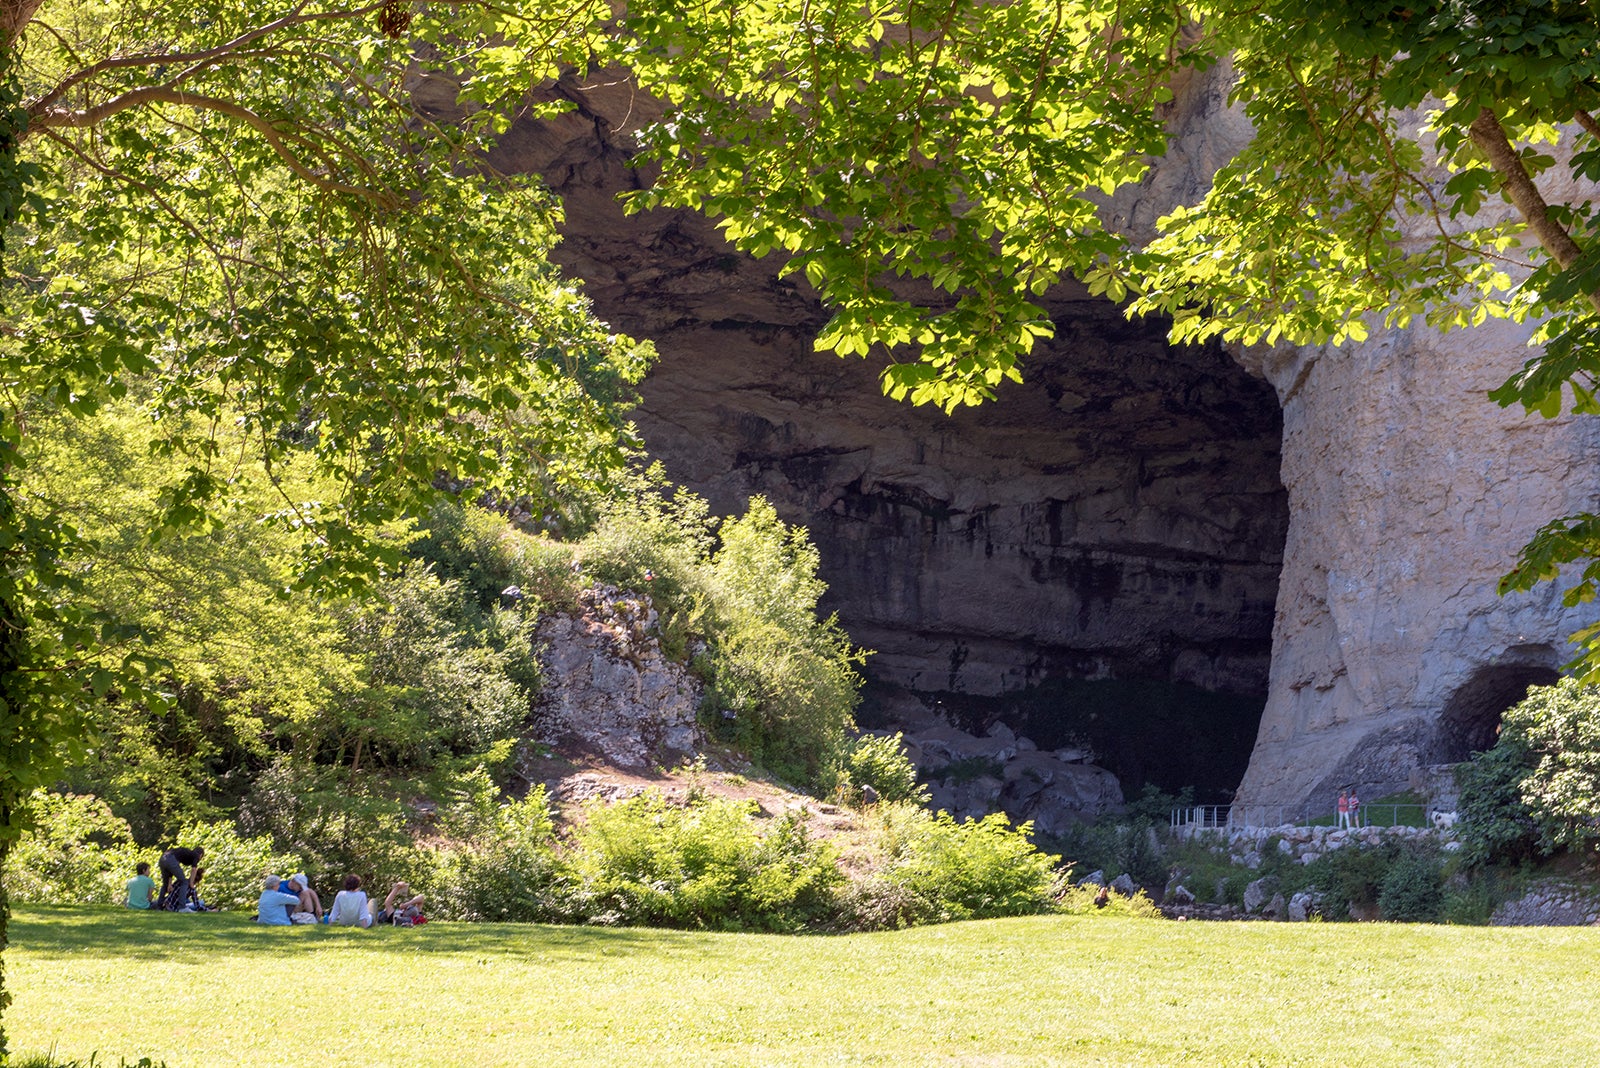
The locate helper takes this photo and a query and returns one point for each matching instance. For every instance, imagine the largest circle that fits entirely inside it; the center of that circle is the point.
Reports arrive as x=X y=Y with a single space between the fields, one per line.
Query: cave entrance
x=1470 y=721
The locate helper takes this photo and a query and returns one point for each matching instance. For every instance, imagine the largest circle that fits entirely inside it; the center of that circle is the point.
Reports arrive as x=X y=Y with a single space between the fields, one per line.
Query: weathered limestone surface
x=608 y=688
x=1121 y=515
x=1409 y=495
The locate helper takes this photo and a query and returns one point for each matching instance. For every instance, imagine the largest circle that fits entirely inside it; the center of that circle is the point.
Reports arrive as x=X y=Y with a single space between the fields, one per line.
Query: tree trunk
x=1490 y=137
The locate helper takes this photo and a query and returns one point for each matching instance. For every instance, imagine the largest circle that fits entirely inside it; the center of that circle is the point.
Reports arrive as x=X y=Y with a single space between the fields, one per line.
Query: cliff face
x=1121 y=516
x=1409 y=495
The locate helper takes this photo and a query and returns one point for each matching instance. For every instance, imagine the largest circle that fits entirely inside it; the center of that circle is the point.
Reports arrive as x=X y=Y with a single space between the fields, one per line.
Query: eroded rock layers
x=1118 y=517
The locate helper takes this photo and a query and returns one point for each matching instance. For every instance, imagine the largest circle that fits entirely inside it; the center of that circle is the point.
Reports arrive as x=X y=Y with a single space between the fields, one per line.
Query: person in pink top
x=1344 y=808
x=1355 y=810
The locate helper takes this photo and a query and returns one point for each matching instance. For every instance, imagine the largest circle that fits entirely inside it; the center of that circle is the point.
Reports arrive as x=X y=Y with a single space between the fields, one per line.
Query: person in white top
x=350 y=907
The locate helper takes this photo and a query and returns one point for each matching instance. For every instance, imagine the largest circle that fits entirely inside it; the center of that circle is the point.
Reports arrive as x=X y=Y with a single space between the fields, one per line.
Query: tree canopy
x=243 y=218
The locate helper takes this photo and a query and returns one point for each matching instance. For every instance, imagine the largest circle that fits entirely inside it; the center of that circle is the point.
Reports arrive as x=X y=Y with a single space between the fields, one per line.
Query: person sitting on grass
x=401 y=907
x=308 y=907
x=142 y=888
x=350 y=906
x=274 y=906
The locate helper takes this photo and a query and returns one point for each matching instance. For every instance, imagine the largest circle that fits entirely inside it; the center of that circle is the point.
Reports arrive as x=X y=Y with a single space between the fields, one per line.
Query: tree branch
x=161 y=94
x=199 y=60
x=1588 y=122
x=1490 y=137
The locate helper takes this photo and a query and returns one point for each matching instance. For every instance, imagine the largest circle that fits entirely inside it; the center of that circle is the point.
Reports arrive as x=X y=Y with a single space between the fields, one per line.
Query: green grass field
x=214 y=990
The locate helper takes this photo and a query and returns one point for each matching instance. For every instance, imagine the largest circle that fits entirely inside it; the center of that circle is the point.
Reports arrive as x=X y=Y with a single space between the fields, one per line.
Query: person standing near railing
x=1355 y=810
x=1344 y=809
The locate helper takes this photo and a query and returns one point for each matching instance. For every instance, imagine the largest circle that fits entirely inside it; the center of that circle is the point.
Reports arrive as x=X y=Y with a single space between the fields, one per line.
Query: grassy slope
x=213 y=990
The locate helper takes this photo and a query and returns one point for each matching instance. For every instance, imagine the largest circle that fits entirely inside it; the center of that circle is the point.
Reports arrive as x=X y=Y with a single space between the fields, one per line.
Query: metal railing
x=1241 y=817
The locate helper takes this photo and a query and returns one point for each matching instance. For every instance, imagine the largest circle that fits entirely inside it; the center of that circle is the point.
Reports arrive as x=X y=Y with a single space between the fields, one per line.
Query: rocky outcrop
x=608 y=689
x=1409 y=495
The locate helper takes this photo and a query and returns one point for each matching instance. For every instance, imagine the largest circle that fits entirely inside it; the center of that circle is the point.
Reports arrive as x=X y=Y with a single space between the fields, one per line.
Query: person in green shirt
x=141 y=888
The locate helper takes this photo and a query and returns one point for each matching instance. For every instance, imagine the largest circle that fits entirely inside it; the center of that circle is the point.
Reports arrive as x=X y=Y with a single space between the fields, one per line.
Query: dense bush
x=1537 y=792
x=962 y=870
x=645 y=861
x=1412 y=890
x=486 y=554
x=76 y=850
x=881 y=763
x=507 y=871
x=1118 y=845
x=787 y=677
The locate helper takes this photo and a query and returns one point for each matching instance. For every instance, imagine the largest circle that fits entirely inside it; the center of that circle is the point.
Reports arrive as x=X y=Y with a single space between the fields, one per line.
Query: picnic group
x=283 y=901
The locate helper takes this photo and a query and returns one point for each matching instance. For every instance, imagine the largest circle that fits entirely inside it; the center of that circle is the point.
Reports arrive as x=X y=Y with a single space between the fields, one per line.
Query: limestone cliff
x=1121 y=515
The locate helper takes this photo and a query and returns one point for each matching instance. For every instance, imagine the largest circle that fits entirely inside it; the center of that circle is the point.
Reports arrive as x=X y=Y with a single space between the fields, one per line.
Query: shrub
x=1117 y=845
x=1412 y=890
x=508 y=871
x=1080 y=901
x=1472 y=902
x=881 y=763
x=788 y=677
x=1351 y=876
x=1537 y=792
x=1560 y=726
x=76 y=850
x=644 y=861
x=968 y=870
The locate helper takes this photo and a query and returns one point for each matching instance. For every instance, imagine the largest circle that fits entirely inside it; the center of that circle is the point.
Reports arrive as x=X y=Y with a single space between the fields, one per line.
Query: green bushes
x=507 y=871
x=1412 y=890
x=643 y=861
x=77 y=851
x=1537 y=792
x=709 y=863
x=881 y=763
x=787 y=676
x=932 y=869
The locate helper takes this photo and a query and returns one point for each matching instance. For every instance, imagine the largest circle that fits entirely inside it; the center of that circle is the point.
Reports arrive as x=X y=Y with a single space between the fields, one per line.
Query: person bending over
x=175 y=885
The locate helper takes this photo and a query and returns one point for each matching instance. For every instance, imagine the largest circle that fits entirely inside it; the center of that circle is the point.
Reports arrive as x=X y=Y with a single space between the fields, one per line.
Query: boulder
x=1259 y=893
x=1303 y=906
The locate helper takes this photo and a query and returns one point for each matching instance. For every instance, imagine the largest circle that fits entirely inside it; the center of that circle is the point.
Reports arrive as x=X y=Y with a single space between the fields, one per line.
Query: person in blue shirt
x=141 y=888
x=275 y=905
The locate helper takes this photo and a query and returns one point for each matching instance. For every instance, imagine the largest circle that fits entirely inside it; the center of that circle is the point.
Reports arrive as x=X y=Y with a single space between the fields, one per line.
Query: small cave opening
x=1470 y=720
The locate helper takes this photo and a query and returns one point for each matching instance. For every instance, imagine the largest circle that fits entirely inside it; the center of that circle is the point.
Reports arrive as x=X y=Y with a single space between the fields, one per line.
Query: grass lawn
x=210 y=991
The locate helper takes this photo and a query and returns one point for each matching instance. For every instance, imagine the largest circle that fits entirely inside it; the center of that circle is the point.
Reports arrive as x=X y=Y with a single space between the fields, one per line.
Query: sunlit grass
x=212 y=990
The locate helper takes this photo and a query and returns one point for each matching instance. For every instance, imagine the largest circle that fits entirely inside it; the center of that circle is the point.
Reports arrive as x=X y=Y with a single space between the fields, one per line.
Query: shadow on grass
x=74 y=930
